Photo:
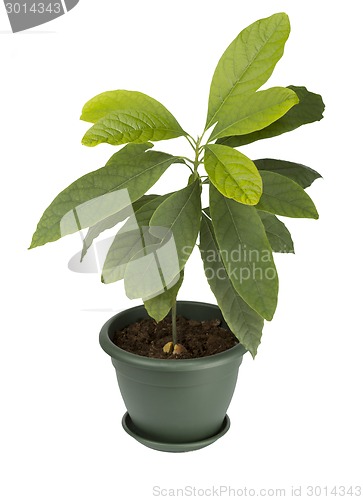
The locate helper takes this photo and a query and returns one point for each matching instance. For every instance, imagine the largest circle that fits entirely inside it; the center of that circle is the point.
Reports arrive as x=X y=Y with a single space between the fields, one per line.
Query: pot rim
x=165 y=364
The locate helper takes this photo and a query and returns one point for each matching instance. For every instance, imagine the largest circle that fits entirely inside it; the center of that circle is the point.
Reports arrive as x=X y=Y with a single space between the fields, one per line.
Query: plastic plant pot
x=174 y=404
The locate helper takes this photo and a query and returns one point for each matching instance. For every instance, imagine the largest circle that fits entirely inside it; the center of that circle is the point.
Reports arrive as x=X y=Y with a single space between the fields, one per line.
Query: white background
x=297 y=410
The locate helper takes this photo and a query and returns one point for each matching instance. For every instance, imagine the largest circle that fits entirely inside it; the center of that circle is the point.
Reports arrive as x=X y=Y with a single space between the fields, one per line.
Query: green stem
x=191 y=141
x=173 y=323
x=198 y=149
x=189 y=160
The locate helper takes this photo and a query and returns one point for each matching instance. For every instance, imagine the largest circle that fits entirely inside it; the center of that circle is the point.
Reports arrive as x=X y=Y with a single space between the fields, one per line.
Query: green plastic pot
x=174 y=405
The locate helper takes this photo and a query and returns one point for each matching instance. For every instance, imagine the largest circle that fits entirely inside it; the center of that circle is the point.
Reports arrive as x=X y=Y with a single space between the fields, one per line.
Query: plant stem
x=173 y=323
x=191 y=141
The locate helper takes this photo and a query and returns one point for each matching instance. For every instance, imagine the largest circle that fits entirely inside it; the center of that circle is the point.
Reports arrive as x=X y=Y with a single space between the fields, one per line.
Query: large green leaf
x=132 y=238
x=122 y=116
x=152 y=270
x=111 y=221
x=180 y=214
x=247 y=63
x=302 y=175
x=309 y=109
x=158 y=307
x=251 y=112
x=277 y=233
x=246 y=252
x=283 y=196
x=233 y=174
x=175 y=225
x=243 y=321
x=129 y=174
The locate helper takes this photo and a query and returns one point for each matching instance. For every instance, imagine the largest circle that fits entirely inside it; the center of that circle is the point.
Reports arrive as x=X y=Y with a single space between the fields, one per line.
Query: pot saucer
x=129 y=427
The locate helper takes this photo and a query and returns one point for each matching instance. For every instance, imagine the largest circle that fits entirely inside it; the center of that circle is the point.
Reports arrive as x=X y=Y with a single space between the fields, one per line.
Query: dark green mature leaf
x=243 y=321
x=152 y=270
x=175 y=224
x=248 y=62
x=246 y=252
x=251 y=112
x=302 y=175
x=180 y=214
x=158 y=307
x=308 y=110
x=282 y=196
x=111 y=221
x=123 y=116
x=129 y=174
x=132 y=238
x=233 y=174
x=277 y=233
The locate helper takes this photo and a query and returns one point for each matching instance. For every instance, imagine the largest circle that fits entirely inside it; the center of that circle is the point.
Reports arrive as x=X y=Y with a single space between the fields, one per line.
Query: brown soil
x=199 y=338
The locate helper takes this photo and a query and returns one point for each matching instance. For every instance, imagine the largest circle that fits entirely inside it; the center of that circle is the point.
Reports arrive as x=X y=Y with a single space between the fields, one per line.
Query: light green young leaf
x=302 y=175
x=158 y=307
x=233 y=174
x=122 y=116
x=121 y=127
x=246 y=252
x=243 y=321
x=180 y=214
x=277 y=233
x=247 y=63
x=246 y=114
x=120 y=100
x=309 y=109
x=129 y=174
x=283 y=196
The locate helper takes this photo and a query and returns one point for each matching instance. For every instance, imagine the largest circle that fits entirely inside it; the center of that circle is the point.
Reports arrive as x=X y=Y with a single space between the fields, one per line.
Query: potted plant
x=176 y=397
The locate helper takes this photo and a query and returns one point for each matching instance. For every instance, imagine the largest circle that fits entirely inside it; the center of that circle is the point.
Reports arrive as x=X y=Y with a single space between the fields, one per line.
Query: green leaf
x=129 y=174
x=159 y=306
x=302 y=175
x=245 y=114
x=277 y=233
x=174 y=227
x=130 y=126
x=111 y=221
x=132 y=238
x=151 y=256
x=118 y=100
x=282 y=196
x=123 y=116
x=152 y=270
x=180 y=214
x=246 y=252
x=308 y=110
x=248 y=62
x=243 y=321
x=233 y=174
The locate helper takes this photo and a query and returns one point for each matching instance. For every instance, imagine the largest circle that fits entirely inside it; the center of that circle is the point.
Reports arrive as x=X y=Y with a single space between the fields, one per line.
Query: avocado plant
x=239 y=230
